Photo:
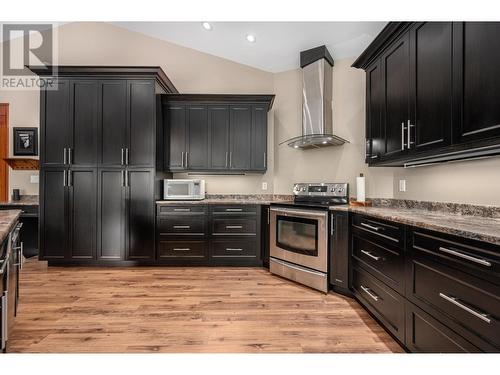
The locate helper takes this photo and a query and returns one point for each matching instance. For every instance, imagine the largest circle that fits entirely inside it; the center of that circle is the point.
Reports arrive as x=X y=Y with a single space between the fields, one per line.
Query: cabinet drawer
x=383 y=302
x=181 y=225
x=234 y=248
x=185 y=209
x=467 y=301
x=182 y=249
x=424 y=334
x=384 y=262
x=477 y=258
x=386 y=231
x=230 y=226
x=246 y=209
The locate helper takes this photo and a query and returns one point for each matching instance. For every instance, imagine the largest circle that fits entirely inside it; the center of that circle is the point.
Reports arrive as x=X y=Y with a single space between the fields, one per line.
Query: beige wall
x=196 y=72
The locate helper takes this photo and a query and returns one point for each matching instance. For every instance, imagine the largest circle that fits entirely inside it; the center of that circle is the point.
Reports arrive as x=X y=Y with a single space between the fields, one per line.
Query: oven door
x=300 y=237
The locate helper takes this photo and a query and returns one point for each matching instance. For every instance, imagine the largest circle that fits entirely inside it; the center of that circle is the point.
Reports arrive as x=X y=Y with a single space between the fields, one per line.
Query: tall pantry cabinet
x=100 y=134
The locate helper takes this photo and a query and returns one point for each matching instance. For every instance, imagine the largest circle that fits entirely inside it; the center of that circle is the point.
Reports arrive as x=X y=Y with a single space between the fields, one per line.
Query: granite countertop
x=25 y=200
x=223 y=201
x=7 y=220
x=480 y=228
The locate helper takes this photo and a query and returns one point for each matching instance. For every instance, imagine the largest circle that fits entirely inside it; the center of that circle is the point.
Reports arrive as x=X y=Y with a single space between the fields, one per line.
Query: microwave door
x=178 y=190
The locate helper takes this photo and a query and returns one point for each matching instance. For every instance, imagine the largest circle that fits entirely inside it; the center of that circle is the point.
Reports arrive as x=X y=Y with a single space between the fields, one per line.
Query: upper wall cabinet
x=431 y=92
x=217 y=133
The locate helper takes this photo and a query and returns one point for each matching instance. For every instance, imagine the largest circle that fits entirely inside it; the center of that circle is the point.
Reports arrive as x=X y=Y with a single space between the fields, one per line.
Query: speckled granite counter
x=26 y=200
x=234 y=199
x=7 y=220
x=480 y=228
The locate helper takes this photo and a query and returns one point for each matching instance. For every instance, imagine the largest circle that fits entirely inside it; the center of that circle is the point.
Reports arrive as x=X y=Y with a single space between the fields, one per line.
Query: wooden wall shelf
x=23 y=164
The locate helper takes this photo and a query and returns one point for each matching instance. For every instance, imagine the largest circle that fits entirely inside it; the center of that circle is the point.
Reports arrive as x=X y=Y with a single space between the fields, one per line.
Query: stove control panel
x=323 y=189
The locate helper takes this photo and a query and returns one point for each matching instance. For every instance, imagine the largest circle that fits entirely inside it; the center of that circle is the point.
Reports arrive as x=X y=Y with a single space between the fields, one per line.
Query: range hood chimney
x=317 y=129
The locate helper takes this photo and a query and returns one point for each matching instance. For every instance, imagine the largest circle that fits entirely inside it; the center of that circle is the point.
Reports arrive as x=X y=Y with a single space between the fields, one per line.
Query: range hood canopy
x=317 y=129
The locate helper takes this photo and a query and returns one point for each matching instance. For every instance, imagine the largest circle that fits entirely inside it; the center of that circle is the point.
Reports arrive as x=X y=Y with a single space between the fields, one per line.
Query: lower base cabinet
x=203 y=235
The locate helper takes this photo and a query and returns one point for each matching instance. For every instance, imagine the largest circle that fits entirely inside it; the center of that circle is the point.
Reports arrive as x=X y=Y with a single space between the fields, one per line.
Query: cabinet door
x=374 y=103
x=476 y=50
x=83 y=109
x=142 y=126
x=56 y=127
x=339 y=254
x=176 y=122
x=111 y=214
x=431 y=75
x=113 y=122
x=240 y=124
x=396 y=63
x=141 y=214
x=197 y=145
x=82 y=213
x=218 y=120
x=259 y=138
x=53 y=215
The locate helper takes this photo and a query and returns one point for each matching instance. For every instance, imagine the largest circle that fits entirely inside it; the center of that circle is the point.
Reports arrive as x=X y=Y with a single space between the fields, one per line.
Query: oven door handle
x=298 y=268
x=286 y=211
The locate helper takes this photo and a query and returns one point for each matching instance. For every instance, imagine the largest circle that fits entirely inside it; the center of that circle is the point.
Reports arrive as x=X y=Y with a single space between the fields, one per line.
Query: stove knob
x=332 y=190
x=303 y=189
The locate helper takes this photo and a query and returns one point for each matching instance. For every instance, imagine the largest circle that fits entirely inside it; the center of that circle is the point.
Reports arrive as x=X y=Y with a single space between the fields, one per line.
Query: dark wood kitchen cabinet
x=439 y=92
x=217 y=133
x=102 y=133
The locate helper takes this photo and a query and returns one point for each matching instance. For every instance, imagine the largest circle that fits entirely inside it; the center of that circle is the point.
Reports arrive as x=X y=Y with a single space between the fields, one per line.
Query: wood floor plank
x=196 y=310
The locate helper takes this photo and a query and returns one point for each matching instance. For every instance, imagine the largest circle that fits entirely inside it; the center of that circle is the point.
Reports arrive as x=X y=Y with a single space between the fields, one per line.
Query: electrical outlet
x=34 y=179
x=402 y=185
x=264 y=186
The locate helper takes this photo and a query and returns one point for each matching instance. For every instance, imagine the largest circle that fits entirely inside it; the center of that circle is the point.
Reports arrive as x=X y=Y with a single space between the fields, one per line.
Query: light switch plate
x=402 y=185
x=34 y=179
x=264 y=186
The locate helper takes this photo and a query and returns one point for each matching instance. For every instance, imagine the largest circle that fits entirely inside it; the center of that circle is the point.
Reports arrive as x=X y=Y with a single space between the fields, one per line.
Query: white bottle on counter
x=360 y=188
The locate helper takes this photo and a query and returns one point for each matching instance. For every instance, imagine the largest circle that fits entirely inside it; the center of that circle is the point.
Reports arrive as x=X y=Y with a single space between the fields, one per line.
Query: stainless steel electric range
x=299 y=233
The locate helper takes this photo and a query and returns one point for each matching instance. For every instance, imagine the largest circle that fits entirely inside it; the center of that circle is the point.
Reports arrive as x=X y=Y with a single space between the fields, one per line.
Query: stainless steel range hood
x=317 y=129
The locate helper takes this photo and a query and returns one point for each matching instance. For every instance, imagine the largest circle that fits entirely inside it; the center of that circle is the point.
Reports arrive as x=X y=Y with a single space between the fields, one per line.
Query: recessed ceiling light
x=251 y=38
x=207 y=26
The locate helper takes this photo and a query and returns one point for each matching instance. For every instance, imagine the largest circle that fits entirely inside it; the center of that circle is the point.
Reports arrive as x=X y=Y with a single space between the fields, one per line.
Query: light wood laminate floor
x=160 y=309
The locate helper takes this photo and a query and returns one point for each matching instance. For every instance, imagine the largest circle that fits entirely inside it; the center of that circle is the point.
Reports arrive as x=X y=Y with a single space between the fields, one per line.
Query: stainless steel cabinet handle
x=182 y=210
x=409 y=142
x=233 y=249
x=483 y=316
x=181 y=249
x=182 y=159
x=368 y=291
x=465 y=256
x=70 y=156
x=187 y=153
x=65 y=160
x=126 y=178
x=123 y=178
x=234 y=209
x=231 y=159
x=367 y=253
x=376 y=229
x=373 y=156
x=4 y=321
x=403 y=128
x=182 y=226
x=122 y=157
x=70 y=178
x=226 y=158
x=126 y=156
x=234 y=226
x=265 y=159
x=64 y=178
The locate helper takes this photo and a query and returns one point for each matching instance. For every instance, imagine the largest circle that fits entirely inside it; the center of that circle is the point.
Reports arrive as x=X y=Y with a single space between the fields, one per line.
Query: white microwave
x=183 y=189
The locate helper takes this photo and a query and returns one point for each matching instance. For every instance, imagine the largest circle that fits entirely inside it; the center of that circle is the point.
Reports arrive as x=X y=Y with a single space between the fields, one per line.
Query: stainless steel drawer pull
x=367 y=253
x=376 y=229
x=182 y=226
x=182 y=210
x=234 y=209
x=181 y=249
x=368 y=291
x=234 y=226
x=465 y=256
x=456 y=302
x=233 y=249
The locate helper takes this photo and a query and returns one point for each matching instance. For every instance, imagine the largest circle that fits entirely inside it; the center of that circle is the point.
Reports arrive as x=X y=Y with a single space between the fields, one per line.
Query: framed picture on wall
x=25 y=141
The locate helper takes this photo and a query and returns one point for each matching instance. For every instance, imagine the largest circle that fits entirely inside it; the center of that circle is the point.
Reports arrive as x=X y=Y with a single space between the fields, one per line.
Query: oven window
x=298 y=235
x=181 y=189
